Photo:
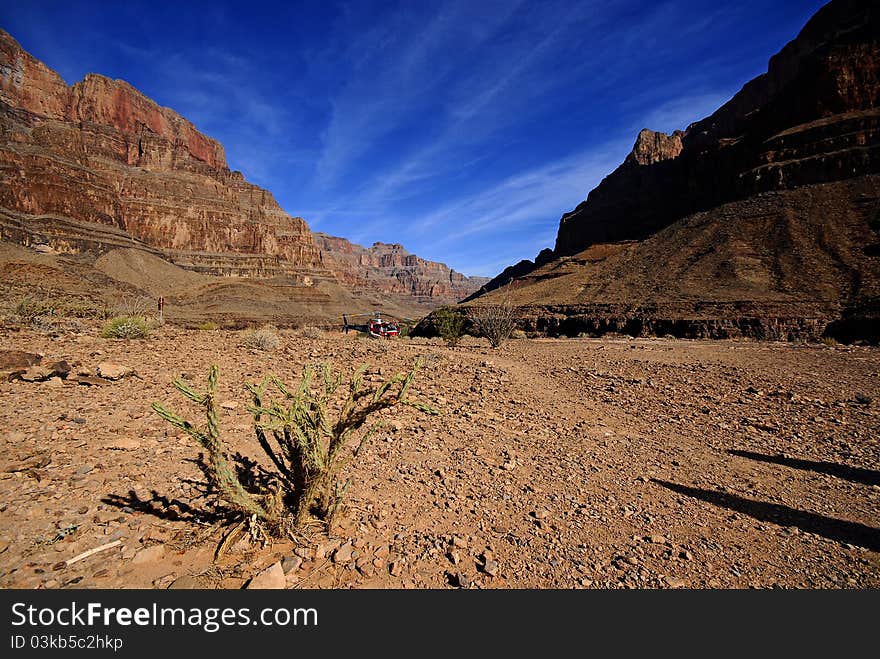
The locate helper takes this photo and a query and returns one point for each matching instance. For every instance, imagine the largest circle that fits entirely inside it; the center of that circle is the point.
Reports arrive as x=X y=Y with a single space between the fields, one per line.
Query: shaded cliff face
x=760 y=220
x=812 y=118
x=391 y=269
x=101 y=153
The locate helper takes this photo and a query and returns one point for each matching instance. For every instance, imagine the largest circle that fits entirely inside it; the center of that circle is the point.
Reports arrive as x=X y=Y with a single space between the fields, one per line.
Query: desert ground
x=554 y=463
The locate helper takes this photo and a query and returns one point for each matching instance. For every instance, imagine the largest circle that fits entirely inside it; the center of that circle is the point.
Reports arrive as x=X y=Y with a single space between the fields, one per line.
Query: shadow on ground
x=838 y=530
x=853 y=474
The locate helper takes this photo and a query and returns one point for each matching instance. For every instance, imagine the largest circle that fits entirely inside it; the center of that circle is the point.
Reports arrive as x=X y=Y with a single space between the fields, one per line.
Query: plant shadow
x=839 y=530
x=845 y=472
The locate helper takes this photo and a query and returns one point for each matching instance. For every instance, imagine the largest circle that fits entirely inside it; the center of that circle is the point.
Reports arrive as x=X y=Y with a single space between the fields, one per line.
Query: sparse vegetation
x=30 y=311
x=264 y=338
x=311 y=332
x=828 y=341
x=208 y=326
x=495 y=322
x=315 y=433
x=518 y=334
x=126 y=327
x=450 y=324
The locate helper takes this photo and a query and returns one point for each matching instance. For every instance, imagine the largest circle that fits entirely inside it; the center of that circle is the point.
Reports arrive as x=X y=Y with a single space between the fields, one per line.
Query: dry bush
x=518 y=334
x=264 y=338
x=495 y=322
x=309 y=434
x=208 y=326
x=311 y=332
x=132 y=306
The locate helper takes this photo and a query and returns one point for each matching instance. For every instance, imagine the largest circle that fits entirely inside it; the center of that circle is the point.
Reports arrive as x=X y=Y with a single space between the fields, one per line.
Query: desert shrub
x=311 y=332
x=828 y=341
x=309 y=434
x=126 y=327
x=450 y=324
x=31 y=311
x=132 y=306
x=495 y=322
x=263 y=338
x=208 y=326
x=518 y=334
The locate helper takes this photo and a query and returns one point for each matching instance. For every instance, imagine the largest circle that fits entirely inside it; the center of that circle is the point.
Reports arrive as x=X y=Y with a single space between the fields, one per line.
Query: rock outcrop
x=812 y=118
x=779 y=187
x=391 y=269
x=100 y=165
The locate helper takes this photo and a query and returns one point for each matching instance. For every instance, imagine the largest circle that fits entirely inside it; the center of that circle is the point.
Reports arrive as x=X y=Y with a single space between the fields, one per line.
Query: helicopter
x=376 y=326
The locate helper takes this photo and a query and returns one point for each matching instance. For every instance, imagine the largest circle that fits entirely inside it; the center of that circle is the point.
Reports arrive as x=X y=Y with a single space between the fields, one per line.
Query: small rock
x=148 y=555
x=454 y=557
x=459 y=542
x=186 y=582
x=862 y=399
x=657 y=539
x=458 y=579
x=110 y=371
x=229 y=405
x=343 y=554
x=686 y=555
x=675 y=582
x=55 y=382
x=490 y=567
x=36 y=374
x=272 y=578
x=396 y=568
x=291 y=564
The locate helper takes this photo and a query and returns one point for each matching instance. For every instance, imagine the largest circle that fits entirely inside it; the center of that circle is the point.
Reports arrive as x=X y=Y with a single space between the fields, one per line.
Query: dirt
x=555 y=463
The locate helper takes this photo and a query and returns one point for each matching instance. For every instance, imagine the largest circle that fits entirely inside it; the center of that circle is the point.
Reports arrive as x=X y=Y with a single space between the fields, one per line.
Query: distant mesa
x=760 y=220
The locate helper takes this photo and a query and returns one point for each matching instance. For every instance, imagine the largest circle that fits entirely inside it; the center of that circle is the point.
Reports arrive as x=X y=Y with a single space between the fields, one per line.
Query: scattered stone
x=111 y=371
x=36 y=374
x=459 y=542
x=396 y=568
x=458 y=579
x=343 y=553
x=149 y=555
x=657 y=539
x=862 y=399
x=186 y=582
x=90 y=381
x=229 y=405
x=272 y=578
x=675 y=582
x=490 y=567
x=291 y=564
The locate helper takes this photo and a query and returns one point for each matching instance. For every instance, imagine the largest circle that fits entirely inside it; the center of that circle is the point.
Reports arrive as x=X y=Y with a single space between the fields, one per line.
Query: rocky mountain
x=391 y=269
x=762 y=219
x=97 y=166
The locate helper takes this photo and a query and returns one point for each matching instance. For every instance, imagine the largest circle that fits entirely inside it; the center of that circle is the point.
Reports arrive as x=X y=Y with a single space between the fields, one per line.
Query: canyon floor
x=554 y=463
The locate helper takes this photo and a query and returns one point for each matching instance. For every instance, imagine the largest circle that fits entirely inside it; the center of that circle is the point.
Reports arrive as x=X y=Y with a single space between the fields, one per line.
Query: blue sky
x=462 y=129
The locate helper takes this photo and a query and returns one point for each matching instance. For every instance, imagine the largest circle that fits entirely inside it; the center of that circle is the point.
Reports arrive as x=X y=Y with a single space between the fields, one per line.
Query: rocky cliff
x=98 y=165
x=778 y=187
x=812 y=118
x=391 y=269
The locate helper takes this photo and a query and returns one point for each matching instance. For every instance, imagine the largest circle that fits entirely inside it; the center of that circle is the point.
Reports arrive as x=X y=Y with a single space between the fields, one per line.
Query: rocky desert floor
x=554 y=463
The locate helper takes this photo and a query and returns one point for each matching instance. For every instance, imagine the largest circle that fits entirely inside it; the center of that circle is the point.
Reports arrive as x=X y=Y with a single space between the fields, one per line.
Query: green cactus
x=307 y=447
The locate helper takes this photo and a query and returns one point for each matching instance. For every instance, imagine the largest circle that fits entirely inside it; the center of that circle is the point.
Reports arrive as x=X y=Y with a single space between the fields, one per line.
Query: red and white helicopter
x=376 y=326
